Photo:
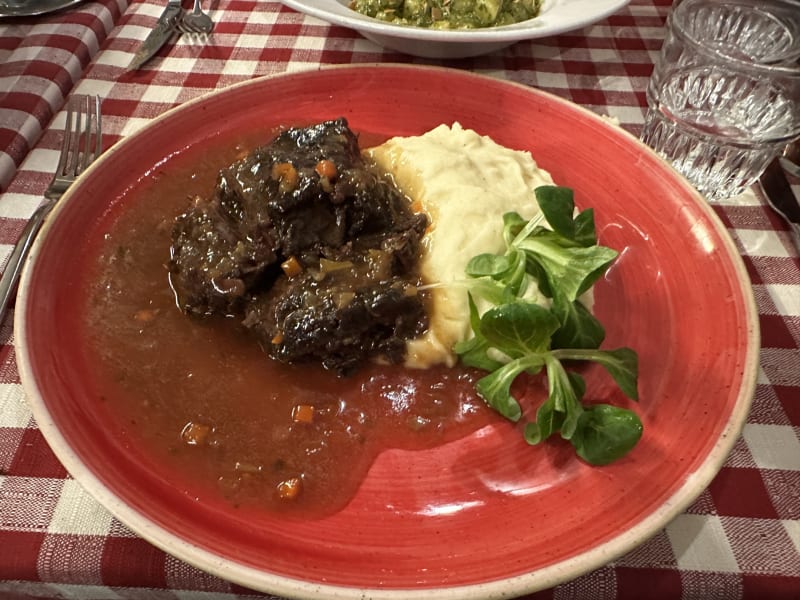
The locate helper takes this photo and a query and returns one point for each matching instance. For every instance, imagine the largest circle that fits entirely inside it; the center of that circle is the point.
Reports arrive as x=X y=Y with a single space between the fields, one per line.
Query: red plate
x=483 y=516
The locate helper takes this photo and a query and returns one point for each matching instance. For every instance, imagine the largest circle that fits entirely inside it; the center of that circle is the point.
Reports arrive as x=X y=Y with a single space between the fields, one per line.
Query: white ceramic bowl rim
x=557 y=16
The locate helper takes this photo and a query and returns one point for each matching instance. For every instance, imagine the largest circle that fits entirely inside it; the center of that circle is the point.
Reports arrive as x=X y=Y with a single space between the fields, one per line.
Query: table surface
x=739 y=539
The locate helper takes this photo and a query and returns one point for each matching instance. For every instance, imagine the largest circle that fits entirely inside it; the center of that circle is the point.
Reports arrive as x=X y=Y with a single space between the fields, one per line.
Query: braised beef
x=344 y=234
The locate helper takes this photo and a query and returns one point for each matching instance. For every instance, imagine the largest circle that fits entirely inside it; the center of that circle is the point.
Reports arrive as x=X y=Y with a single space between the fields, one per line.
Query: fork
x=83 y=124
x=196 y=21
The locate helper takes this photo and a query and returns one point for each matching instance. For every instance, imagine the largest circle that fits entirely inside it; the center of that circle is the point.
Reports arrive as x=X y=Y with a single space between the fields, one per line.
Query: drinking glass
x=724 y=97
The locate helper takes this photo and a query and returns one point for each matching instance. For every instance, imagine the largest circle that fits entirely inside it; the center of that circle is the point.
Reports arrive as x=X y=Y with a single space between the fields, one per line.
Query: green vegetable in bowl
x=449 y=14
x=516 y=335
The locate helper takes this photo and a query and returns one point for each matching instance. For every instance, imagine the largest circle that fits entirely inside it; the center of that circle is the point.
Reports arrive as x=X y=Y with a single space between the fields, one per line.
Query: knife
x=165 y=27
x=779 y=194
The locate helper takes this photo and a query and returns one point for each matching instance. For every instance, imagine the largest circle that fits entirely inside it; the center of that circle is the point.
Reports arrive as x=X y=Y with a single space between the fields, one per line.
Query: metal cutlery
x=196 y=21
x=81 y=144
x=164 y=29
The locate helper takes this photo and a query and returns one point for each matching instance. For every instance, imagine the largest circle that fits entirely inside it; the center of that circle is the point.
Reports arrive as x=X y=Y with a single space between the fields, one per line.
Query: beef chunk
x=336 y=325
x=307 y=197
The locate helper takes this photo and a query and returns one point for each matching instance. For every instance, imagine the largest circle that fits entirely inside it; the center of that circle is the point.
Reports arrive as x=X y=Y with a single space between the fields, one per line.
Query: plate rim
x=292 y=587
x=33 y=9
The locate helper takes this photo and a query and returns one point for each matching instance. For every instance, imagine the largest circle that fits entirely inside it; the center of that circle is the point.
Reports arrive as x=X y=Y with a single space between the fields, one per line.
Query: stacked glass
x=724 y=98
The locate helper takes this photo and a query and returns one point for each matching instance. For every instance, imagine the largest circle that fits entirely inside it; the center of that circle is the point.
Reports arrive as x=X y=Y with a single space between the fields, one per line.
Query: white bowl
x=557 y=16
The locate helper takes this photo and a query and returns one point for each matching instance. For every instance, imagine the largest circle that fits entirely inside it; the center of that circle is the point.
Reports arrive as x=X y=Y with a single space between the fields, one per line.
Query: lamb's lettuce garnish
x=516 y=335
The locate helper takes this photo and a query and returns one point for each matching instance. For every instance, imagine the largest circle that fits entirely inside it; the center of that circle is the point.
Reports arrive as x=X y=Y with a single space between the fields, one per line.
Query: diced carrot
x=303 y=413
x=326 y=168
x=277 y=338
x=292 y=267
x=290 y=489
x=286 y=174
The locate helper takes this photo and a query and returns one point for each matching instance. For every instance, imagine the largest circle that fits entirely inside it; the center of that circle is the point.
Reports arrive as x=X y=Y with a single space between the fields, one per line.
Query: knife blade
x=781 y=198
x=165 y=27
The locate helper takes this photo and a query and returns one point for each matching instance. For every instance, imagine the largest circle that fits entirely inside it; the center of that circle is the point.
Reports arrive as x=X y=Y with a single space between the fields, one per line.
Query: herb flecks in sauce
x=449 y=14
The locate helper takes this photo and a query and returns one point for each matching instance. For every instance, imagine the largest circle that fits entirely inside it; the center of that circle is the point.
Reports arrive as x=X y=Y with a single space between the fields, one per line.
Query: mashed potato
x=465 y=182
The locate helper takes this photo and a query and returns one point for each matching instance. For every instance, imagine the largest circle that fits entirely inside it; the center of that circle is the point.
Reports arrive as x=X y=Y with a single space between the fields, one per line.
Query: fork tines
x=81 y=144
x=85 y=110
x=189 y=29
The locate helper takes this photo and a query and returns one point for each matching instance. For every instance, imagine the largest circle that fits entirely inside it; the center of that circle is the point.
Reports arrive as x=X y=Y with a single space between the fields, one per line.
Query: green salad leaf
x=517 y=335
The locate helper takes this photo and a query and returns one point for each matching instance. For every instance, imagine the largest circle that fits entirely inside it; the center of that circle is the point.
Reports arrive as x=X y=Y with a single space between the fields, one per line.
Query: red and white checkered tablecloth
x=739 y=539
x=41 y=60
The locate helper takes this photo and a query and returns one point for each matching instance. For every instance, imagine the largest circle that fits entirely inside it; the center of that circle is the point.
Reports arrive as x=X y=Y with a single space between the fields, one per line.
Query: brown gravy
x=204 y=399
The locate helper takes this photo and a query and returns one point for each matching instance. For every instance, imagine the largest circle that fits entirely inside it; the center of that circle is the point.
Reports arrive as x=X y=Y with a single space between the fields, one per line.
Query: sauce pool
x=202 y=397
